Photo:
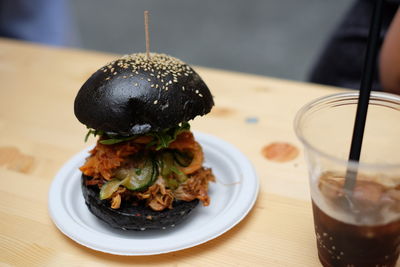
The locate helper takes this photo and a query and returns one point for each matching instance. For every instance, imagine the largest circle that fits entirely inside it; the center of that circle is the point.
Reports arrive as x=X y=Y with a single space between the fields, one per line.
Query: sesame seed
x=162 y=66
x=200 y=95
x=155 y=102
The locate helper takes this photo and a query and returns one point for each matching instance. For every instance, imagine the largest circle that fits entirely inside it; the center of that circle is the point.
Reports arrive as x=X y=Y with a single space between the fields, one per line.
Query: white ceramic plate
x=232 y=197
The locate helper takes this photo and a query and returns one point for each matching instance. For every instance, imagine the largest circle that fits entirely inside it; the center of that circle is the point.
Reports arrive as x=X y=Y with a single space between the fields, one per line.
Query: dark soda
x=366 y=228
x=343 y=244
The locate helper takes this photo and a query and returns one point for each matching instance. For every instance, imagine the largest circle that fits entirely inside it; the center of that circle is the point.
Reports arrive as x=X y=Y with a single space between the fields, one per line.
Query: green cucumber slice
x=170 y=169
x=167 y=161
x=110 y=187
x=139 y=177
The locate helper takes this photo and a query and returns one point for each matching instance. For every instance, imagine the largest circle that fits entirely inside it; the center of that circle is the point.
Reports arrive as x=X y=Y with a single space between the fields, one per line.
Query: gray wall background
x=280 y=38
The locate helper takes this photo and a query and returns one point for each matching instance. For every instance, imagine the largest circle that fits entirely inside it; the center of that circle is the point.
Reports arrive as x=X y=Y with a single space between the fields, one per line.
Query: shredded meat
x=116 y=198
x=158 y=196
x=94 y=181
x=116 y=201
x=104 y=158
x=196 y=187
x=144 y=139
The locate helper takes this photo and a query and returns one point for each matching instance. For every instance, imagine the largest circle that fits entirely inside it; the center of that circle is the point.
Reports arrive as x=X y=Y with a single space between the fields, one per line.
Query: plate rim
x=203 y=139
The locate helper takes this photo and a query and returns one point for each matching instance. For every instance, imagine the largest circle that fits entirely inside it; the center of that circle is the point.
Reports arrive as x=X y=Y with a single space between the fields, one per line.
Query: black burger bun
x=135 y=95
x=139 y=217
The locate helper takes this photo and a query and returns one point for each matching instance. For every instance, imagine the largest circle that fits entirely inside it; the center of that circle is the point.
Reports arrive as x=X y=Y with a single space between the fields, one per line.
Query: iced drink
x=361 y=229
x=356 y=224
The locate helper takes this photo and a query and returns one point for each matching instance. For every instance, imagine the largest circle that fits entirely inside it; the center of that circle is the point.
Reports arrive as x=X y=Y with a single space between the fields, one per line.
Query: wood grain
x=37 y=124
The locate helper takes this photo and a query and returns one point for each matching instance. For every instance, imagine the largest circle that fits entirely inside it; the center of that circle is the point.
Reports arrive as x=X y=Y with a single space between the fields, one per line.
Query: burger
x=146 y=170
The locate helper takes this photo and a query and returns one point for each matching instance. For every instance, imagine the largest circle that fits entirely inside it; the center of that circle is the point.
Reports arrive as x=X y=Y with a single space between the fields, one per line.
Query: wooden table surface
x=39 y=133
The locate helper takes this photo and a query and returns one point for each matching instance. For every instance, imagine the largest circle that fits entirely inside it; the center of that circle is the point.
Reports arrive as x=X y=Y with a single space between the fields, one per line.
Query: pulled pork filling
x=177 y=172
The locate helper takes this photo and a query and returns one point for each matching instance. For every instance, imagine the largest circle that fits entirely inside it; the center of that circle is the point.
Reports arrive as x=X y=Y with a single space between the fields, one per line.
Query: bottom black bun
x=139 y=217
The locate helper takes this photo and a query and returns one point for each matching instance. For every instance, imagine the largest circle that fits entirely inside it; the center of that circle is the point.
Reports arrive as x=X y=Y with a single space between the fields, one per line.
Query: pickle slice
x=167 y=161
x=110 y=187
x=170 y=170
x=139 y=177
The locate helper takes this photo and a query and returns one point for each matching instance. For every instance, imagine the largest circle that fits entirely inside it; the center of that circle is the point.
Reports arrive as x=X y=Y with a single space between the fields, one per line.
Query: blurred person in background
x=41 y=21
x=389 y=63
x=342 y=60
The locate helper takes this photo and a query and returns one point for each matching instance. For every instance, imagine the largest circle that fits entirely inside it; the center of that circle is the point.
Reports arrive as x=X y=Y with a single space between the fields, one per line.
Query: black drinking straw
x=365 y=92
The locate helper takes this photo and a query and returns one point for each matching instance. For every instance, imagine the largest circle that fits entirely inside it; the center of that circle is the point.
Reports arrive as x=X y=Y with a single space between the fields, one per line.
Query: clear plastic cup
x=359 y=226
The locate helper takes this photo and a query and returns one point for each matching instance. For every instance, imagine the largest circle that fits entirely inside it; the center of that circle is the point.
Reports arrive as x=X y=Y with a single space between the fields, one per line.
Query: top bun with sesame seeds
x=135 y=95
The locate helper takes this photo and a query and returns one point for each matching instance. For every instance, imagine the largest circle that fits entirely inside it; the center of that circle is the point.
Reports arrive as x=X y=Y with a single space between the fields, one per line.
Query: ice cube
x=368 y=193
x=394 y=198
x=331 y=187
